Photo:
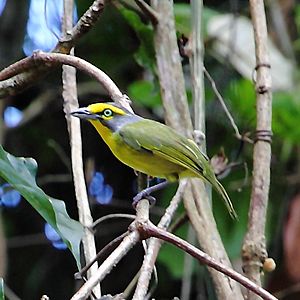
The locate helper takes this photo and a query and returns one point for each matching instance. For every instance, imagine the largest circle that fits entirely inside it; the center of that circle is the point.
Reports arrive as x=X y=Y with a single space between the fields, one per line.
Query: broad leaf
x=20 y=173
x=145 y=56
x=145 y=92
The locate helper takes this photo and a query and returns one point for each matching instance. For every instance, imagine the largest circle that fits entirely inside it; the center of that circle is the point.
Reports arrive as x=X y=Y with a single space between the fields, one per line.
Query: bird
x=150 y=147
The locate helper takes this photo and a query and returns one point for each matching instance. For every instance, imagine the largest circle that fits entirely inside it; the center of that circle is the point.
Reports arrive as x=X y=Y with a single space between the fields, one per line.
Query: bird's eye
x=107 y=112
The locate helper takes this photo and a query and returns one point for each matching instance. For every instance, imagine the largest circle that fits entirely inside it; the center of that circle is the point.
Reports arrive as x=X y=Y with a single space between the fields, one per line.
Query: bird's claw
x=143 y=195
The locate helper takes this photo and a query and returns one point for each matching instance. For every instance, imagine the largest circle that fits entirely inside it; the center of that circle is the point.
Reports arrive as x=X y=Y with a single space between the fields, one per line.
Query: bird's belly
x=146 y=162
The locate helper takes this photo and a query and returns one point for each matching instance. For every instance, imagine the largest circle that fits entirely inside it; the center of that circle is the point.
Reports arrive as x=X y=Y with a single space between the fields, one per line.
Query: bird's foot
x=144 y=194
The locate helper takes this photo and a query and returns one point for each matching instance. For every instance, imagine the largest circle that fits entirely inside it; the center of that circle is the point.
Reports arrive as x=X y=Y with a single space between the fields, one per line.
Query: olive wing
x=161 y=140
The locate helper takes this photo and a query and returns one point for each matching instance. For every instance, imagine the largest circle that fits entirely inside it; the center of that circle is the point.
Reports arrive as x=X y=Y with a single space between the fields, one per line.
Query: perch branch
x=142 y=229
x=254 y=248
x=154 y=246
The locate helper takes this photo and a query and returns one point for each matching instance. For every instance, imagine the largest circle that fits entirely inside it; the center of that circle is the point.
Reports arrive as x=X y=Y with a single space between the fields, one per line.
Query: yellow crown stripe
x=99 y=107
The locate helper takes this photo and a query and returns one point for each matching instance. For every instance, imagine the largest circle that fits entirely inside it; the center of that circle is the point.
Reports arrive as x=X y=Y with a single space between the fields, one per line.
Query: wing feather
x=163 y=141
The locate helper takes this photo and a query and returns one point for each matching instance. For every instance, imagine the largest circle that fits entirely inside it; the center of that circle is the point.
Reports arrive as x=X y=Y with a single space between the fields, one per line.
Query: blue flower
x=44 y=27
x=54 y=237
x=12 y=116
x=2 y=6
x=99 y=190
x=8 y=196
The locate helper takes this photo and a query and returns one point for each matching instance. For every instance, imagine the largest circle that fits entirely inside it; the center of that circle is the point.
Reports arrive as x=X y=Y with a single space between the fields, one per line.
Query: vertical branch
x=71 y=103
x=254 y=248
x=170 y=70
x=154 y=246
x=177 y=115
x=197 y=66
x=196 y=57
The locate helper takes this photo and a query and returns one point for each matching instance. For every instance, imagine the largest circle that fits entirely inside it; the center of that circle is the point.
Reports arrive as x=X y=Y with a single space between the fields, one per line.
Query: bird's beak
x=84 y=113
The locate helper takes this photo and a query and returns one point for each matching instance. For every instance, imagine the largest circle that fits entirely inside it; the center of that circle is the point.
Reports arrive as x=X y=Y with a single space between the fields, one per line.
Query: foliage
x=122 y=45
x=20 y=174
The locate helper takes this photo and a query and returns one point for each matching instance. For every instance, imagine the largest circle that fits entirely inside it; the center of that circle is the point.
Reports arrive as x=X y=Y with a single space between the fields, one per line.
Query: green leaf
x=145 y=93
x=183 y=16
x=241 y=97
x=1 y=289
x=145 y=56
x=20 y=173
x=286 y=112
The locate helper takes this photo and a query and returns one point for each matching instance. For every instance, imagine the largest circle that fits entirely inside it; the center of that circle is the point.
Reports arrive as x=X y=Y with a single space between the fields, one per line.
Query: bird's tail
x=219 y=187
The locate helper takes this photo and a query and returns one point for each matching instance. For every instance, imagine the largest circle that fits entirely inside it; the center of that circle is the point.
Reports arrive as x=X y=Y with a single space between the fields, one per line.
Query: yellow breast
x=140 y=160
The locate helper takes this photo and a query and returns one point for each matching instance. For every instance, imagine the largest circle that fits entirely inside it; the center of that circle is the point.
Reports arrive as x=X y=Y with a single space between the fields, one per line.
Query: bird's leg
x=145 y=193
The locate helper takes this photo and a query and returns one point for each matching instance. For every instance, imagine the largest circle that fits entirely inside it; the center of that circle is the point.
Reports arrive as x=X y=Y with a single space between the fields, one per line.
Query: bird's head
x=106 y=115
x=100 y=111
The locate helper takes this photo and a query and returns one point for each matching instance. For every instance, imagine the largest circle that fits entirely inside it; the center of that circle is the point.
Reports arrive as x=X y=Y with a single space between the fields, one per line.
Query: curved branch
x=28 y=76
x=52 y=60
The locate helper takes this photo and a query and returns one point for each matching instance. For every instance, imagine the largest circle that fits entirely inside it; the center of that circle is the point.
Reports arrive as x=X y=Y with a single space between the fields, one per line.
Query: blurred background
x=33 y=260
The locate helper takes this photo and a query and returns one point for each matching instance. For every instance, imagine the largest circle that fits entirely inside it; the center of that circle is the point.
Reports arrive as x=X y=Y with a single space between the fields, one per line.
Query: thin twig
x=148 y=11
x=108 y=248
x=112 y=216
x=196 y=62
x=196 y=58
x=254 y=247
x=85 y=23
x=128 y=242
x=222 y=102
x=142 y=214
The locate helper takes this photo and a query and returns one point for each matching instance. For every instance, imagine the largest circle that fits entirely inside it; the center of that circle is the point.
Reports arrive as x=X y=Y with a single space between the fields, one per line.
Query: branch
x=254 y=249
x=31 y=73
x=84 y=25
x=169 y=69
x=142 y=214
x=196 y=58
x=221 y=100
x=142 y=229
x=177 y=115
x=71 y=103
x=55 y=59
x=155 y=244
x=151 y=230
x=148 y=11
x=113 y=259
x=196 y=64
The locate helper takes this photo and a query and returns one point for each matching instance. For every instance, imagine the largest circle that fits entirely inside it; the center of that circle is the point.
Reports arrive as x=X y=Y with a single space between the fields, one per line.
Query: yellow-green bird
x=149 y=146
